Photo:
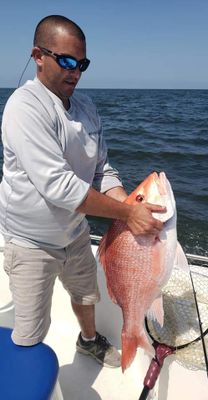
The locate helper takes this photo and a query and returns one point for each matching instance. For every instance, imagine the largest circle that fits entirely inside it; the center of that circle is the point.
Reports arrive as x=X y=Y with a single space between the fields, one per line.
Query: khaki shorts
x=32 y=273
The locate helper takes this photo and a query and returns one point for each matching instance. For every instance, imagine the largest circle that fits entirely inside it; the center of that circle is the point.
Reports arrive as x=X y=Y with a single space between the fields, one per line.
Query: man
x=55 y=171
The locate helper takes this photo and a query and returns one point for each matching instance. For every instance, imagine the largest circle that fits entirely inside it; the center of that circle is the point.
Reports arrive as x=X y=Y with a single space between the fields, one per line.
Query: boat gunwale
x=204 y=259
x=95 y=239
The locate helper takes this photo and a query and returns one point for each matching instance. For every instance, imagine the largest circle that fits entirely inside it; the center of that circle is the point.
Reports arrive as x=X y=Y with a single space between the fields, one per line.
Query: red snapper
x=138 y=267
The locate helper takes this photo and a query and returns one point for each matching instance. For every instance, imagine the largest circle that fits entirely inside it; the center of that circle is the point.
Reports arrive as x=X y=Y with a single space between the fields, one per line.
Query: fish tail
x=143 y=342
x=129 y=348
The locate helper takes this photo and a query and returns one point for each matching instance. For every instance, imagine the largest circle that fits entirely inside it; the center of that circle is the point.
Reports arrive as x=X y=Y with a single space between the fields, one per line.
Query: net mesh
x=181 y=323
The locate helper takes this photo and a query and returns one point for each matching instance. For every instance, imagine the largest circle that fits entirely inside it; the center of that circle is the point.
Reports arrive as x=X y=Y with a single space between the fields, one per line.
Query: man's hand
x=141 y=221
x=138 y=216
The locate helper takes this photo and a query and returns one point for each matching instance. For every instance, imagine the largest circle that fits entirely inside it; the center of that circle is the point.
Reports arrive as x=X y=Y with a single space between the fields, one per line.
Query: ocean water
x=158 y=130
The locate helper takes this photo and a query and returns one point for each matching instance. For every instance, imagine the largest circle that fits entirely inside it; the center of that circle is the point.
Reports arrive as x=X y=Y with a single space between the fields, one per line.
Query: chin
x=68 y=93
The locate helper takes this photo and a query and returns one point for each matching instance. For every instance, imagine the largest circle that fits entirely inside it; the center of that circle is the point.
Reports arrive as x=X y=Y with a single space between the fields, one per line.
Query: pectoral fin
x=180 y=259
x=156 y=310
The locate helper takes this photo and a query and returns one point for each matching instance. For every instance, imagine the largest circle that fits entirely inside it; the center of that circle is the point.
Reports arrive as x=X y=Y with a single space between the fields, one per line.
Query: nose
x=73 y=75
x=76 y=72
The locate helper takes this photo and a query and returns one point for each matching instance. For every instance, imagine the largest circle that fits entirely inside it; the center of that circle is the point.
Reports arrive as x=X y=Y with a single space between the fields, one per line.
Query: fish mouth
x=162 y=183
x=162 y=177
x=166 y=190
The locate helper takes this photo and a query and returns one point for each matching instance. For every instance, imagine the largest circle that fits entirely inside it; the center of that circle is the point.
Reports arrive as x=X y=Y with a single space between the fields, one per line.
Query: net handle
x=161 y=352
x=144 y=393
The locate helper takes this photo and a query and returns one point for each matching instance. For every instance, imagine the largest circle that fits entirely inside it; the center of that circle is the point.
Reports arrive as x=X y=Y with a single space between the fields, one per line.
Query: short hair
x=47 y=28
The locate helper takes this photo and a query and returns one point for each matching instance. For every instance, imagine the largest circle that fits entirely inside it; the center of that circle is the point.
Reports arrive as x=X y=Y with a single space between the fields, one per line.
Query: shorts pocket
x=8 y=257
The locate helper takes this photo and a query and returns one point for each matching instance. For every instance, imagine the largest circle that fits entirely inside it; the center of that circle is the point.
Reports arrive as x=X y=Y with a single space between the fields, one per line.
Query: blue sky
x=131 y=43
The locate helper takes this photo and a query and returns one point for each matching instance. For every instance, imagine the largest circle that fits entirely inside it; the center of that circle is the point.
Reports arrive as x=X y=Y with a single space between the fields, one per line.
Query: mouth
x=70 y=82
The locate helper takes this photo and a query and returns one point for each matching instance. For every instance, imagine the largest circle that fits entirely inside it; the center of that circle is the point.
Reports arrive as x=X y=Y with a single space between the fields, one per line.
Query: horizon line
x=120 y=88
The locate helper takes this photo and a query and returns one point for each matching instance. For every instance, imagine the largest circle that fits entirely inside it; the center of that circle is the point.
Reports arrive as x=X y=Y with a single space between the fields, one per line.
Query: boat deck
x=80 y=377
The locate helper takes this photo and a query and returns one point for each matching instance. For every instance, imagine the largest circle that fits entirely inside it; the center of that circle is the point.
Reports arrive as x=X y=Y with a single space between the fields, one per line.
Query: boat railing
x=192 y=258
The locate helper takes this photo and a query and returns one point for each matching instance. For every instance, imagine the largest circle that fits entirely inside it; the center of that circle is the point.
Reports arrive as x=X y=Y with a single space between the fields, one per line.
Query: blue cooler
x=26 y=373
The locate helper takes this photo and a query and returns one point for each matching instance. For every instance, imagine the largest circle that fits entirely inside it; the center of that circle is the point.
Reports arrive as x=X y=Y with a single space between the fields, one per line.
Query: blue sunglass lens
x=67 y=63
x=71 y=63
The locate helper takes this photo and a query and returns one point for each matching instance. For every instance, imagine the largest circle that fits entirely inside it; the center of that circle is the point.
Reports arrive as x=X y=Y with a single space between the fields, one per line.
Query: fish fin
x=180 y=261
x=101 y=256
x=129 y=348
x=111 y=294
x=156 y=310
x=143 y=342
x=101 y=252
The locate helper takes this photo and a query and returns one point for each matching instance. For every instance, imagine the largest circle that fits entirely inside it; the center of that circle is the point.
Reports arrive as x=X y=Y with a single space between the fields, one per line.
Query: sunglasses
x=66 y=61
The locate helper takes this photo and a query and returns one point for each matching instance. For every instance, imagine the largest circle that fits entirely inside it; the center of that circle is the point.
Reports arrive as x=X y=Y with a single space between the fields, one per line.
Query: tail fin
x=129 y=348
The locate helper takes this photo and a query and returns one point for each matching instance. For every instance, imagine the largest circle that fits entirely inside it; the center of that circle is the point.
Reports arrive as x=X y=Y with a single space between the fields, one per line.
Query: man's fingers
x=158 y=224
x=141 y=220
x=156 y=208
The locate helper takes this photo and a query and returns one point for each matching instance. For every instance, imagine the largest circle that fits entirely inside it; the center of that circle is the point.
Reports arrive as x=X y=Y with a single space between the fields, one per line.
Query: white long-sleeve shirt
x=51 y=158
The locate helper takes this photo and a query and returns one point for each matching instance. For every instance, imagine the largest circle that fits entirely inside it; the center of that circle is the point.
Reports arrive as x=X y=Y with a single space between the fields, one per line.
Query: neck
x=66 y=103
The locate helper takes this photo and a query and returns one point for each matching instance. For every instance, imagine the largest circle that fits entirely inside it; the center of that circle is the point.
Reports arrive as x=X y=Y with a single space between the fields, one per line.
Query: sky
x=141 y=44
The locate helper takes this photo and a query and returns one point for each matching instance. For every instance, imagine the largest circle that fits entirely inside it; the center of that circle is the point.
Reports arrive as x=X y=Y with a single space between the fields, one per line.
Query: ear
x=37 y=56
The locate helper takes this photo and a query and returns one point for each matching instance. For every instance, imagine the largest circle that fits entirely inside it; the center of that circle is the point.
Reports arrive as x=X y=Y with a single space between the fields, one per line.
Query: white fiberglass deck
x=80 y=377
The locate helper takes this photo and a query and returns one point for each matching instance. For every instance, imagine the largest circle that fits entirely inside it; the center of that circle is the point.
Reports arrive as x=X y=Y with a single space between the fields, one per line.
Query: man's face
x=60 y=81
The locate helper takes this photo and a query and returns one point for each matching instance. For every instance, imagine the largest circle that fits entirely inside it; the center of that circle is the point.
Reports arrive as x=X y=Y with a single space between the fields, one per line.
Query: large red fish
x=137 y=267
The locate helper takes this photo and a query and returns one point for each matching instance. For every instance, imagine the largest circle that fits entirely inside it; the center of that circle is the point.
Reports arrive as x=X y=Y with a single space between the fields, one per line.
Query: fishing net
x=181 y=327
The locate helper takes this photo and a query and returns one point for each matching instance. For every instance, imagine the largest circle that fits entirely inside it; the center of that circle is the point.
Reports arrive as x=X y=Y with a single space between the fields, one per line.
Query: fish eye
x=139 y=198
